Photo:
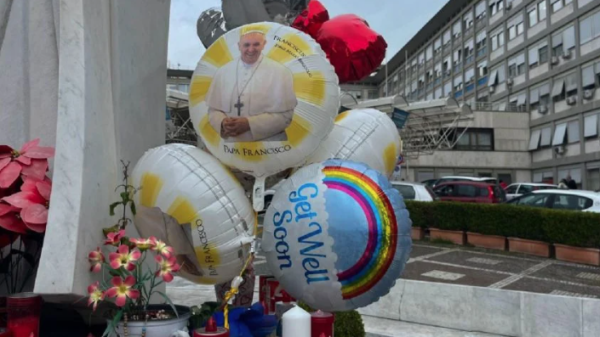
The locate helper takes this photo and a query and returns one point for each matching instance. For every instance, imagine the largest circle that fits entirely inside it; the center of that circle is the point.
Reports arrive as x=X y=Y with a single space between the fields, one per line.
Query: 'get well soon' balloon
x=263 y=97
x=337 y=235
x=368 y=136
x=209 y=221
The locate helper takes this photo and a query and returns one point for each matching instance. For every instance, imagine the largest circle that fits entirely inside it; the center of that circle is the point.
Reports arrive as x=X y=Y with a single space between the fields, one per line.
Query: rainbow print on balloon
x=382 y=229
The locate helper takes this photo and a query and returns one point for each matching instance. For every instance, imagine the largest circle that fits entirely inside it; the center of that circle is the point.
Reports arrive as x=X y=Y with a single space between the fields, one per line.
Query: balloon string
x=235 y=286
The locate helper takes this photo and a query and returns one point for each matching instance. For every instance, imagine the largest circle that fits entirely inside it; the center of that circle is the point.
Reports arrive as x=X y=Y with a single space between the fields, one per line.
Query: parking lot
x=494 y=269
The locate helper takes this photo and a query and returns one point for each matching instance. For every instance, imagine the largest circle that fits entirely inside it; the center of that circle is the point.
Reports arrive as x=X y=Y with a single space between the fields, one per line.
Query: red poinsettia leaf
x=10 y=222
x=6 y=208
x=40 y=152
x=37 y=169
x=4 y=162
x=44 y=188
x=30 y=144
x=35 y=214
x=24 y=199
x=24 y=160
x=9 y=174
x=39 y=228
x=29 y=185
x=5 y=151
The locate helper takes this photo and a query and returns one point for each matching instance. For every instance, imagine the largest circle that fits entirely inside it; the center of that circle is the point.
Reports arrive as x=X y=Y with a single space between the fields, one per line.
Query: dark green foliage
x=572 y=228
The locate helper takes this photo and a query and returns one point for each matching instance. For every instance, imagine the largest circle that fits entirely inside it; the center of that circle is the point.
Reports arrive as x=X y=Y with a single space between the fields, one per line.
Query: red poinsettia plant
x=24 y=203
x=126 y=279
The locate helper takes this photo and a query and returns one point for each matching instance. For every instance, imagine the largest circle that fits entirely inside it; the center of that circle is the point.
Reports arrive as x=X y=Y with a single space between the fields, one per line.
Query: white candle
x=296 y=323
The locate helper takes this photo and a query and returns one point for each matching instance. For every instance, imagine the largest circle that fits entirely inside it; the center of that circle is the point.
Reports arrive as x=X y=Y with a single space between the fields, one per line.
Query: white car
x=518 y=189
x=586 y=201
x=414 y=191
x=446 y=179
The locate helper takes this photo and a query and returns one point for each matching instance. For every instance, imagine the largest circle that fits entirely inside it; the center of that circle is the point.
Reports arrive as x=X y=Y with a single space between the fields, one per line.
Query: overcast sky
x=396 y=20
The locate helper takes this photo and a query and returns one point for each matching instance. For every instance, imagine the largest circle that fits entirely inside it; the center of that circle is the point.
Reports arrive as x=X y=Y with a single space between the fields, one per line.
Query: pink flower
x=167 y=267
x=11 y=220
x=124 y=258
x=96 y=259
x=33 y=201
x=96 y=295
x=142 y=244
x=30 y=161
x=114 y=238
x=122 y=290
x=161 y=247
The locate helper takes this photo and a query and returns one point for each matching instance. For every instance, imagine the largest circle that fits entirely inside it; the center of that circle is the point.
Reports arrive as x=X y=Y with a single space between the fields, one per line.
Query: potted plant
x=130 y=283
x=24 y=203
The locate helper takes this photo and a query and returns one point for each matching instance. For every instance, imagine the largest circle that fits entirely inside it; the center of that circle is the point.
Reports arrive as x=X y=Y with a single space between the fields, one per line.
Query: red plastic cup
x=321 y=324
x=23 y=311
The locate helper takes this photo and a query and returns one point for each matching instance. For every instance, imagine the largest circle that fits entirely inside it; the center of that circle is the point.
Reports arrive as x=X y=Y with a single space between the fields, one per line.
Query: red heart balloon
x=353 y=48
x=311 y=19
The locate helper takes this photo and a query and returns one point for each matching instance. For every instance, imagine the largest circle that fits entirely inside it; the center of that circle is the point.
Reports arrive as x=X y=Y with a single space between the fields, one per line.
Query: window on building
x=447 y=89
x=497 y=76
x=571 y=85
x=428 y=53
x=515 y=26
x=372 y=94
x=458 y=83
x=468 y=20
x=573 y=132
x=560 y=131
x=456 y=30
x=437 y=71
x=480 y=43
x=559 y=4
x=496 y=6
x=534 y=140
x=563 y=41
x=589 y=28
x=497 y=38
x=538 y=54
x=438 y=93
x=469 y=79
x=422 y=59
x=539 y=95
x=593 y=178
x=480 y=11
x=546 y=139
x=469 y=51
x=590 y=75
x=457 y=60
x=475 y=139
x=446 y=67
x=437 y=46
x=590 y=125
x=429 y=76
x=532 y=14
x=516 y=65
x=447 y=37
x=482 y=69
x=518 y=102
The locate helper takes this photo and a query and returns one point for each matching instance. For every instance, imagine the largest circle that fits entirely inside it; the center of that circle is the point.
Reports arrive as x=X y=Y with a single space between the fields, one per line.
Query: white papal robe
x=268 y=98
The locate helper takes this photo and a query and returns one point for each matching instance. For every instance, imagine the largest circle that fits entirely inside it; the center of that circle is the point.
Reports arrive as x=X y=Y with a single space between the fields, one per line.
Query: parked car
x=446 y=179
x=470 y=191
x=518 y=189
x=415 y=191
x=586 y=201
x=429 y=182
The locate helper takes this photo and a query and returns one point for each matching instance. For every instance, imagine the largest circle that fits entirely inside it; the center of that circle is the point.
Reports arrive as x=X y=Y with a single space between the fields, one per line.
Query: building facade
x=541 y=57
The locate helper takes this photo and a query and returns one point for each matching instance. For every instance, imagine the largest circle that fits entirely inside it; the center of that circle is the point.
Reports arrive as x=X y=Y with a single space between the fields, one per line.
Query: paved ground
x=494 y=269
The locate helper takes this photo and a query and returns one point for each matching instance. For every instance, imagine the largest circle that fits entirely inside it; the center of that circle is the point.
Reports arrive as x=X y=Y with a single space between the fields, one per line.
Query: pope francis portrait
x=252 y=98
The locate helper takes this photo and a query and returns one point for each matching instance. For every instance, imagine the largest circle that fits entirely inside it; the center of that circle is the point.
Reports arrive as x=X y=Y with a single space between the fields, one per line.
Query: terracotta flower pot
x=417 y=233
x=577 y=254
x=457 y=237
x=531 y=247
x=486 y=241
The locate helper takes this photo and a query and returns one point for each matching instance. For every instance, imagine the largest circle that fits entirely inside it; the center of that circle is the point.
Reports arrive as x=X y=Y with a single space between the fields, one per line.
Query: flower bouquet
x=128 y=281
x=24 y=203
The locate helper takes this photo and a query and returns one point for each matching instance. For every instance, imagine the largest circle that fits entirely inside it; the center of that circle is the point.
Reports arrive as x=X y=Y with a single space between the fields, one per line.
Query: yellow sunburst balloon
x=263 y=97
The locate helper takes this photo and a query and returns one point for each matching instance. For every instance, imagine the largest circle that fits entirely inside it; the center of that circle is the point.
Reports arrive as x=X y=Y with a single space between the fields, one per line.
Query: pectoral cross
x=239 y=105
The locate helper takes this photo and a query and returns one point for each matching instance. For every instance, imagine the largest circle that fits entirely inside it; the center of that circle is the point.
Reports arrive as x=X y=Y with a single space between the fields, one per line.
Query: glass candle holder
x=24 y=311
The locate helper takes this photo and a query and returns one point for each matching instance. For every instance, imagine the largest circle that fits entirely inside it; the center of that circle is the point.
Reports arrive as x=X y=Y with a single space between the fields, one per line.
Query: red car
x=469 y=191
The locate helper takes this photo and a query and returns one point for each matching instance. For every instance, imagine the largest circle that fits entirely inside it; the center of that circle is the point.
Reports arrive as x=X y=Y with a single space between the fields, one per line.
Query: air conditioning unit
x=492 y=88
x=588 y=94
x=509 y=82
x=559 y=149
x=571 y=100
x=567 y=55
x=554 y=60
x=448 y=72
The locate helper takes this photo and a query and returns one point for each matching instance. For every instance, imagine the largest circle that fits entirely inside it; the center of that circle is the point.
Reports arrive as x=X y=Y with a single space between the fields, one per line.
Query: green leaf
x=112 y=325
x=132 y=206
x=168 y=300
x=125 y=196
x=113 y=206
